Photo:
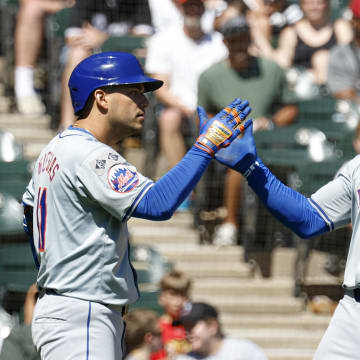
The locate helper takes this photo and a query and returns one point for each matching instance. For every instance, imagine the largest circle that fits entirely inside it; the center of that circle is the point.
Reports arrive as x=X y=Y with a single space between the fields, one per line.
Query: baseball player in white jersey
x=80 y=197
x=332 y=206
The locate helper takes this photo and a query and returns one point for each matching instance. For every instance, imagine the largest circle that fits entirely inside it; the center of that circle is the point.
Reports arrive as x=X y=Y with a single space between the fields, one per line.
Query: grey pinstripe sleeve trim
x=322 y=213
x=137 y=200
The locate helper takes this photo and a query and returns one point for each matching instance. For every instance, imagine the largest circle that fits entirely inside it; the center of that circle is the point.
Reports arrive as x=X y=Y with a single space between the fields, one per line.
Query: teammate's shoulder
x=350 y=167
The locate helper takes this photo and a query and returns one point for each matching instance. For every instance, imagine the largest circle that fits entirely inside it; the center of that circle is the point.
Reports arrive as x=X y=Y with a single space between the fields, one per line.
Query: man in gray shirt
x=344 y=63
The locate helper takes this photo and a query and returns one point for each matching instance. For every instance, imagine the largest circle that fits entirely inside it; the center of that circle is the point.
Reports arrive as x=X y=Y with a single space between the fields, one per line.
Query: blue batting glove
x=241 y=155
x=222 y=129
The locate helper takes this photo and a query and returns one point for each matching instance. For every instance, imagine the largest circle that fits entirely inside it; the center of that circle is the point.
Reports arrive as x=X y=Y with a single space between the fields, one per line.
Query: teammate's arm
x=290 y=207
x=162 y=199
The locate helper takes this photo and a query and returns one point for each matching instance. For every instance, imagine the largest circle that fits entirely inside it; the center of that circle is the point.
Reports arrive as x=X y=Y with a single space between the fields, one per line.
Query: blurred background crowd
x=223 y=262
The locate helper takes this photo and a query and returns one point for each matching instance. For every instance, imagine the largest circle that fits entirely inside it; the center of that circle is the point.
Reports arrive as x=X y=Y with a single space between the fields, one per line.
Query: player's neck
x=93 y=128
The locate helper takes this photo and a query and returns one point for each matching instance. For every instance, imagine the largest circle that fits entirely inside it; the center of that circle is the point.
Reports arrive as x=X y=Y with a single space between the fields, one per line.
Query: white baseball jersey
x=83 y=193
x=338 y=203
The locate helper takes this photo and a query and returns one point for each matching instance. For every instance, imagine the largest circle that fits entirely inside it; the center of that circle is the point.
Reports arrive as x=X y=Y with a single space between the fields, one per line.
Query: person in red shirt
x=174 y=296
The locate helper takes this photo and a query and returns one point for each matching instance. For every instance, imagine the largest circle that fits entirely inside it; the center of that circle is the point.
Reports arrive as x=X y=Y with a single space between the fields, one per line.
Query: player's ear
x=101 y=99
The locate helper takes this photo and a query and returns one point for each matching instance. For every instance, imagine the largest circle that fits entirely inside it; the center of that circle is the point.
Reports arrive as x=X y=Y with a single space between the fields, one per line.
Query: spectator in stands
x=90 y=24
x=261 y=81
x=178 y=56
x=344 y=65
x=266 y=18
x=204 y=332
x=166 y=13
x=6 y=324
x=174 y=296
x=306 y=44
x=142 y=334
x=19 y=344
x=28 y=41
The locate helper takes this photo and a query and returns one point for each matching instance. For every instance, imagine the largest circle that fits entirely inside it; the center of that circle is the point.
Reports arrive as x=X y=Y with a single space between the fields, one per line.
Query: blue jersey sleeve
x=162 y=199
x=290 y=207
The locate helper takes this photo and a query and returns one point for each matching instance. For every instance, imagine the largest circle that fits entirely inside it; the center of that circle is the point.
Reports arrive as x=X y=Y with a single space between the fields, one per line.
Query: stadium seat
x=149 y=262
x=11 y=216
x=17 y=267
x=314 y=175
x=127 y=43
x=10 y=149
x=14 y=177
x=150 y=266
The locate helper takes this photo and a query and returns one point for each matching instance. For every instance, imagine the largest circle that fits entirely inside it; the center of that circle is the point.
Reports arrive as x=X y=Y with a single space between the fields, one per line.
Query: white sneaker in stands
x=225 y=235
x=30 y=105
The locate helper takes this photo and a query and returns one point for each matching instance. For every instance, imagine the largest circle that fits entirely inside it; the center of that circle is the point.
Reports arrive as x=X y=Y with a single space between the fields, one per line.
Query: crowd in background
x=275 y=53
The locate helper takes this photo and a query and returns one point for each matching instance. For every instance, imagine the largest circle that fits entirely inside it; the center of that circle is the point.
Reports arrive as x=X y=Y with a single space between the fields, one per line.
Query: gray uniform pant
x=66 y=328
x=342 y=338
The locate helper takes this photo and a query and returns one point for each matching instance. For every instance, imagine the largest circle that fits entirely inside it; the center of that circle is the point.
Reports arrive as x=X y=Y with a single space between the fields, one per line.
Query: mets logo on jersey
x=122 y=178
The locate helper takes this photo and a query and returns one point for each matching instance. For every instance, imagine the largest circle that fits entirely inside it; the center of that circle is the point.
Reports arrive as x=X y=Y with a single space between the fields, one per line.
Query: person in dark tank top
x=306 y=44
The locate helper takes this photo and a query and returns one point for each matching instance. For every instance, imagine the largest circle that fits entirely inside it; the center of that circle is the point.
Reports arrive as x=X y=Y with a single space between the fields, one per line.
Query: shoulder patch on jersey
x=113 y=156
x=100 y=164
x=122 y=178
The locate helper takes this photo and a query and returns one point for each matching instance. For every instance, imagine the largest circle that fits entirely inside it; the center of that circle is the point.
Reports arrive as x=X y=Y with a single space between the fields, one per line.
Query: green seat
x=127 y=43
x=315 y=175
x=11 y=216
x=17 y=267
x=148 y=300
x=58 y=23
x=150 y=267
x=149 y=263
x=14 y=177
x=10 y=149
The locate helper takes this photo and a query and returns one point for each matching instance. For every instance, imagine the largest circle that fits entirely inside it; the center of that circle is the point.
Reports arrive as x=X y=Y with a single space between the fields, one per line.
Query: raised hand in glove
x=219 y=131
x=241 y=155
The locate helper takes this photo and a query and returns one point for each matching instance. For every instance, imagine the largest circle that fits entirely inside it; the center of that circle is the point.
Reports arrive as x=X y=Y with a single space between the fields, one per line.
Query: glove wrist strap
x=250 y=169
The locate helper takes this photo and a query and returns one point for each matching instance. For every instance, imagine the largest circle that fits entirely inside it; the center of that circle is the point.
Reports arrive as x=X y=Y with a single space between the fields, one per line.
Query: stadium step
x=260 y=309
x=32 y=132
x=303 y=320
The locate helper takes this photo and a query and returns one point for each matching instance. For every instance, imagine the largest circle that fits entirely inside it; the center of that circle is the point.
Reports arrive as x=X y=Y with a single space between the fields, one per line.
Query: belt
x=43 y=291
x=354 y=293
x=122 y=309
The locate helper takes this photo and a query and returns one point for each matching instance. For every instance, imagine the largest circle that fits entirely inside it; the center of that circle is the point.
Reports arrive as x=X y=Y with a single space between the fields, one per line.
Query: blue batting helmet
x=104 y=69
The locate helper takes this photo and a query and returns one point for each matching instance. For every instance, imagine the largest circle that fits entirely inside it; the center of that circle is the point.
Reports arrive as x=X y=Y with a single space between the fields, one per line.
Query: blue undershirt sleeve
x=162 y=199
x=287 y=205
x=28 y=228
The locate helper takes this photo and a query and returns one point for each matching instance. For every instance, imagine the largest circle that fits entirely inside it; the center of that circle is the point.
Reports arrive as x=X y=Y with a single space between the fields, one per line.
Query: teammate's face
x=172 y=302
x=126 y=109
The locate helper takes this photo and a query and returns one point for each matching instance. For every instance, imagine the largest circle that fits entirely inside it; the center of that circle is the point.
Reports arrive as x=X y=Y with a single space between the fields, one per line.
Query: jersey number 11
x=41 y=213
